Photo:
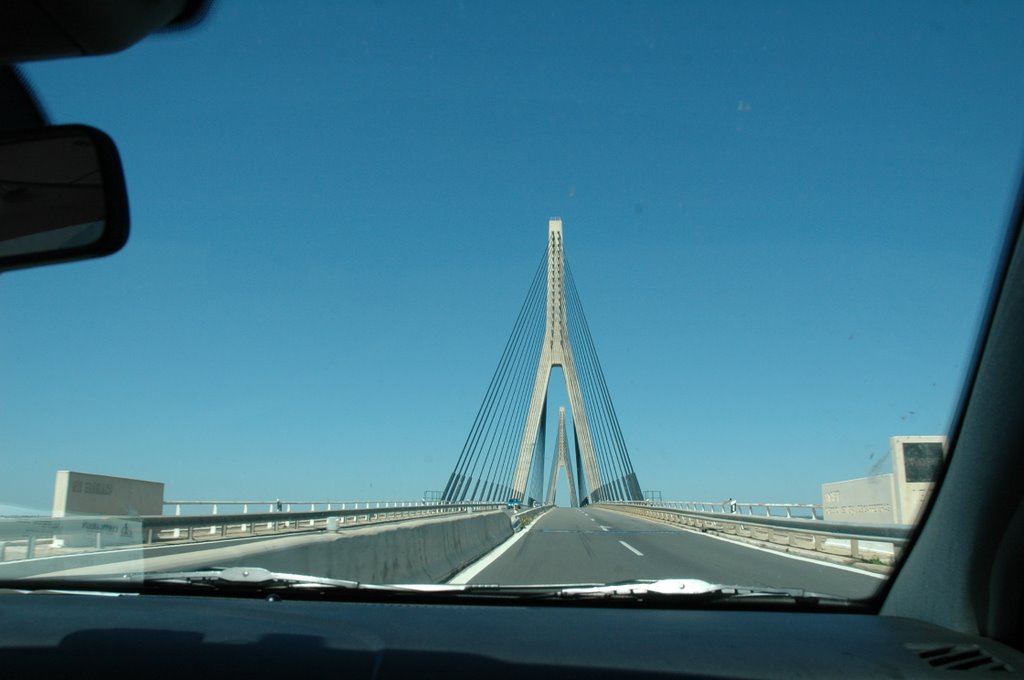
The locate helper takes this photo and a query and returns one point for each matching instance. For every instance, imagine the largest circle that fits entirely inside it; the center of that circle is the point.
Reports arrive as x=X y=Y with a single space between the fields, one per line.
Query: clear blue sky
x=782 y=219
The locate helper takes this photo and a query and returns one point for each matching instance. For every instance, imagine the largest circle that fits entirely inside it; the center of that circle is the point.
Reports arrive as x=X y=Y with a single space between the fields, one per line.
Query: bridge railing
x=28 y=537
x=277 y=505
x=790 y=510
x=870 y=542
x=164 y=527
x=524 y=517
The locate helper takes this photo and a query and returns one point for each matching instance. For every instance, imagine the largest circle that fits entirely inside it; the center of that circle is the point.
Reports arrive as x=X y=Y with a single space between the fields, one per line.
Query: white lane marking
x=592 y=519
x=473 y=570
x=604 y=528
x=630 y=548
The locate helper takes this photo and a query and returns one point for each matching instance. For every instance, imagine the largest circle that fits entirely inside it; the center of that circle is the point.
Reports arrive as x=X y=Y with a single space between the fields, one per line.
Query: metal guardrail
x=157 y=528
x=792 y=510
x=809 y=534
x=21 y=538
x=530 y=513
x=279 y=505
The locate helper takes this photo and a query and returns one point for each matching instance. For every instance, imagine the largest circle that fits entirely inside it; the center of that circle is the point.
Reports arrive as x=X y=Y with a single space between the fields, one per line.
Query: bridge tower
x=556 y=351
x=503 y=456
x=561 y=462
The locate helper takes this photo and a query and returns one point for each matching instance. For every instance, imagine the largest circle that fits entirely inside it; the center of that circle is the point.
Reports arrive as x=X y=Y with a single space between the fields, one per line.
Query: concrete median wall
x=418 y=551
x=425 y=550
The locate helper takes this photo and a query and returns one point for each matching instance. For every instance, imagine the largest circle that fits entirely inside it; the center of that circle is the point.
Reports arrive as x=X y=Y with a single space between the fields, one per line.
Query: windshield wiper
x=663 y=586
x=218 y=580
x=683 y=591
x=257 y=581
x=247 y=578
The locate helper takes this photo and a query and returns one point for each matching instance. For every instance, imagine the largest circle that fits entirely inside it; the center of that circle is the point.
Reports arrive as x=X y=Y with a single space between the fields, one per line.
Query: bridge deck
x=573 y=545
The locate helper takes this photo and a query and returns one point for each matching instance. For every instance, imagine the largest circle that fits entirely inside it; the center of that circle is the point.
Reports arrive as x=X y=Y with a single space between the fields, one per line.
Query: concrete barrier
x=418 y=551
x=425 y=550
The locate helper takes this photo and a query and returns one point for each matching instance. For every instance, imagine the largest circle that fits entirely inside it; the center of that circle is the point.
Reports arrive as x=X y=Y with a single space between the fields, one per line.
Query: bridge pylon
x=557 y=351
x=503 y=457
x=561 y=462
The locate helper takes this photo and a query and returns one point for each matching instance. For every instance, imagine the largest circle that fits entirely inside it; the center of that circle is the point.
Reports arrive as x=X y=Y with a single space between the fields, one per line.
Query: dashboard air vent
x=958 y=658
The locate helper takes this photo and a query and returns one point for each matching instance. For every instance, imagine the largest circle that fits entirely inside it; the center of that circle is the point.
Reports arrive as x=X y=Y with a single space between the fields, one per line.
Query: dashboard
x=159 y=636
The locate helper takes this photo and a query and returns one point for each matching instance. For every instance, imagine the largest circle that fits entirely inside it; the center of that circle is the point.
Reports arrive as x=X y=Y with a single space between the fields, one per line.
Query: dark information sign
x=921 y=460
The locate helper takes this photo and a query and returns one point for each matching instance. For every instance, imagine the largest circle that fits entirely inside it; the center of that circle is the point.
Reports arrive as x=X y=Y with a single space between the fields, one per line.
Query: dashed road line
x=630 y=548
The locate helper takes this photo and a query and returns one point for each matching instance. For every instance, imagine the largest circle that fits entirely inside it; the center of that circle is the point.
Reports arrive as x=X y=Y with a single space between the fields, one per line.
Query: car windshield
x=676 y=296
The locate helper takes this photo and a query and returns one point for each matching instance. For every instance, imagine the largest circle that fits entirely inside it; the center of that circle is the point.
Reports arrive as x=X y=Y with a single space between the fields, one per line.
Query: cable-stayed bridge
x=466 y=535
x=503 y=456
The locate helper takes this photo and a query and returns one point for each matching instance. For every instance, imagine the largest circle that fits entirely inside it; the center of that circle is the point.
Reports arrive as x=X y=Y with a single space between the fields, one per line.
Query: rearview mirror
x=62 y=196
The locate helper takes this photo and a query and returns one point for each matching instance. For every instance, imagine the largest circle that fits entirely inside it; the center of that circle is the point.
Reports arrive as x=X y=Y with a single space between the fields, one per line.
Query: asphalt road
x=588 y=545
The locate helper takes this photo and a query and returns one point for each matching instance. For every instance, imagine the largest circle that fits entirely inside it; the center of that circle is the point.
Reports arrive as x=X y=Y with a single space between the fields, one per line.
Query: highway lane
x=576 y=545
